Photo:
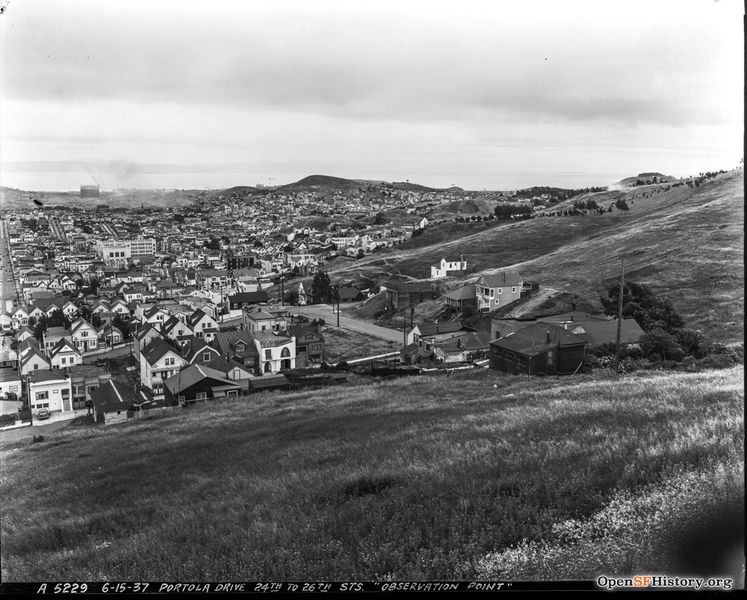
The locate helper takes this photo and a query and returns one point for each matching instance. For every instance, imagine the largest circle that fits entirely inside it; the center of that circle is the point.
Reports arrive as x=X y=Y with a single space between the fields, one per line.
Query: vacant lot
x=474 y=475
x=344 y=344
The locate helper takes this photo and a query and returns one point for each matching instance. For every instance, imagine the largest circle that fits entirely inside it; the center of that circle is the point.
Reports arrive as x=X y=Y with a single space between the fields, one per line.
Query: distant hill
x=653 y=177
x=323 y=181
x=316 y=182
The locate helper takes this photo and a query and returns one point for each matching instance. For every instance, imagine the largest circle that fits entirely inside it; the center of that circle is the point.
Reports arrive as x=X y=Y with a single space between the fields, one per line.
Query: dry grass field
x=477 y=475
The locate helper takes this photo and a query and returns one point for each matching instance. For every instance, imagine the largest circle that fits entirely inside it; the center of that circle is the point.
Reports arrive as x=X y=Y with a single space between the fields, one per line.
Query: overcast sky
x=482 y=94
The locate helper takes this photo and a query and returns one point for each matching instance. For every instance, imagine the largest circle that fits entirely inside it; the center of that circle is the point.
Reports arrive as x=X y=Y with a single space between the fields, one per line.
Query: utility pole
x=619 y=315
x=282 y=290
x=404 y=331
x=337 y=292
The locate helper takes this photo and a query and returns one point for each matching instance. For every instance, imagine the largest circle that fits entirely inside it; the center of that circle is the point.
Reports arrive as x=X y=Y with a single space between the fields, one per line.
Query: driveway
x=326 y=312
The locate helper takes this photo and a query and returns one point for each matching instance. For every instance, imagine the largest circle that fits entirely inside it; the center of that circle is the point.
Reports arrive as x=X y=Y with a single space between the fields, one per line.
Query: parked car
x=43 y=413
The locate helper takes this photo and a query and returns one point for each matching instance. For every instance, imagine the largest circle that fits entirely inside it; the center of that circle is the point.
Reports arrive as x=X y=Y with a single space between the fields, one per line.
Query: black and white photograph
x=357 y=296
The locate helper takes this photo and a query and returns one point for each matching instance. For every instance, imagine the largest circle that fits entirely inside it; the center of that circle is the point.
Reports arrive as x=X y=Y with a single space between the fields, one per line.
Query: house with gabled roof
x=33 y=360
x=84 y=335
x=145 y=334
x=198 y=382
x=53 y=335
x=24 y=334
x=64 y=355
x=174 y=327
x=238 y=346
x=498 y=290
x=200 y=352
x=70 y=310
x=113 y=400
x=155 y=315
x=202 y=325
x=159 y=361
x=20 y=316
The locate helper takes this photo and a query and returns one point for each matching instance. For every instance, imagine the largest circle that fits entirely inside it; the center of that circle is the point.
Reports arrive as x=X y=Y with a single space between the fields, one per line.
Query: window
x=268 y=354
x=500 y=290
x=513 y=290
x=201 y=396
x=491 y=293
x=550 y=357
x=42 y=395
x=206 y=357
x=285 y=353
x=36 y=366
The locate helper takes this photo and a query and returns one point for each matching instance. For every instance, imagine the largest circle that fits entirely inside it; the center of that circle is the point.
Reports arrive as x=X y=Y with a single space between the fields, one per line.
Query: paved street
x=325 y=311
x=7 y=291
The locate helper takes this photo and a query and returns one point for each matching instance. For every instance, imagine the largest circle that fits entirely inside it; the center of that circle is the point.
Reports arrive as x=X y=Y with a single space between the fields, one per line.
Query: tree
x=123 y=326
x=321 y=288
x=621 y=204
x=213 y=244
x=639 y=302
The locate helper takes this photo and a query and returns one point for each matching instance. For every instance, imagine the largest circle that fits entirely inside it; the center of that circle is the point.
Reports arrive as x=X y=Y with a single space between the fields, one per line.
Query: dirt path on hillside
x=533 y=303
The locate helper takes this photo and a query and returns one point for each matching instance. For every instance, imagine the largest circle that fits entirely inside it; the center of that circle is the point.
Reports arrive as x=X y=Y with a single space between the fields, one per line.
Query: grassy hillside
x=425 y=478
x=686 y=242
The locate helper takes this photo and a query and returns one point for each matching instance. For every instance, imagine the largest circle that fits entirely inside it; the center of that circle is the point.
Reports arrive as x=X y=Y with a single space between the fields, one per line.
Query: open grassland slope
x=687 y=243
x=428 y=478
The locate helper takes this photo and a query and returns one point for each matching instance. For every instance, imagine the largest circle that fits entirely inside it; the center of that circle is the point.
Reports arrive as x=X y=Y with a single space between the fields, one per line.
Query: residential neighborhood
x=110 y=315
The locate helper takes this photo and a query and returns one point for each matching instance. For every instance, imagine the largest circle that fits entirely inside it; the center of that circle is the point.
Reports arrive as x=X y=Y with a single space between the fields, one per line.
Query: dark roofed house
x=597 y=329
x=349 y=294
x=401 y=294
x=540 y=348
x=242 y=299
x=198 y=382
x=112 y=400
x=460 y=297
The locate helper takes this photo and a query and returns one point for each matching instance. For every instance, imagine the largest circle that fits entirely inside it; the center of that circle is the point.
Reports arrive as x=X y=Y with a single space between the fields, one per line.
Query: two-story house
x=276 y=352
x=202 y=325
x=158 y=362
x=498 y=290
x=51 y=390
x=309 y=345
x=84 y=336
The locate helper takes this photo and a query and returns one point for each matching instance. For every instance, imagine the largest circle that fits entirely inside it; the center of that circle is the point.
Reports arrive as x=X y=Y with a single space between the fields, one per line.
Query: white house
x=276 y=352
x=84 y=335
x=10 y=383
x=158 y=362
x=51 y=390
x=32 y=360
x=445 y=267
x=64 y=355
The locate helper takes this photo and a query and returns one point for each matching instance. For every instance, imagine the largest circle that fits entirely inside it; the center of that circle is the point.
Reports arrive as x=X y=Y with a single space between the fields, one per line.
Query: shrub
x=658 y=341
